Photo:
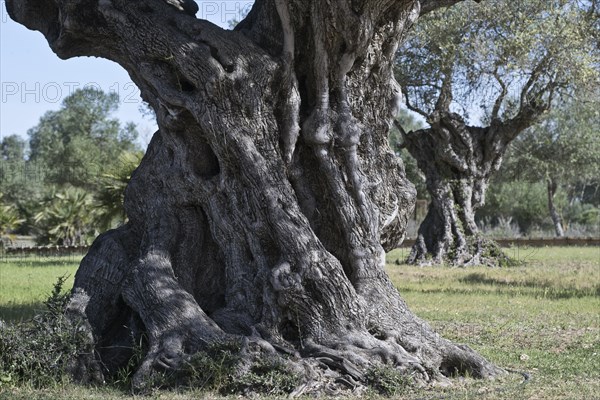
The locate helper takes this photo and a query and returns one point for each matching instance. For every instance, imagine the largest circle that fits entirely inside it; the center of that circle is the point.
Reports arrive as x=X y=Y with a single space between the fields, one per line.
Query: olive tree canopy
x=486 y=72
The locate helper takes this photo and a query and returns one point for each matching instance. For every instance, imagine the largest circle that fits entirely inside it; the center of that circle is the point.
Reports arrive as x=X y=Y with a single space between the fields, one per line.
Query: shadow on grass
x=482 y=279
x=41 y=262
x=20 y=312
x=512 y=290
x=479 y=278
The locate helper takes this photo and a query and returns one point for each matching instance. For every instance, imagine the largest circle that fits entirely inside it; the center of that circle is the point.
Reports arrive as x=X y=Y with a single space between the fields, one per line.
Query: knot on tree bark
x=282 y=278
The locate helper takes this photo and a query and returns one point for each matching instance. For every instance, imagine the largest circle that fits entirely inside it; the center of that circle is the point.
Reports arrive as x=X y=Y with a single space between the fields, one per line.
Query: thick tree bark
x=554 y=214
x=458 y=161
x=266 y=201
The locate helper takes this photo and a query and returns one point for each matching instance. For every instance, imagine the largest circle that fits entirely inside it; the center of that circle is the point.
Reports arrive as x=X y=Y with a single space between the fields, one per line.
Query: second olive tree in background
x=488 y=72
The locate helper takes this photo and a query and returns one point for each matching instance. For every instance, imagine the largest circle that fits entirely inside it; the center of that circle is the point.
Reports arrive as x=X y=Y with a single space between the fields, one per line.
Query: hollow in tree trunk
x=265 y=203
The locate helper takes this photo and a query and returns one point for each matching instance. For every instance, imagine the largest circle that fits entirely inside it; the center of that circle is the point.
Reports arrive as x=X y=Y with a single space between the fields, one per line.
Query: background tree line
x=65 y=184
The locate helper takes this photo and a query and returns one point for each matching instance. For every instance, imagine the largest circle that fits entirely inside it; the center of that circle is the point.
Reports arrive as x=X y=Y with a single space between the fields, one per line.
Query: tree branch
x=535 y=74
x=445 y=98
x=402 y=132
x=40 y=16
x=501 y=96
x=430 y=5
x=528 y=113
x=413 y=108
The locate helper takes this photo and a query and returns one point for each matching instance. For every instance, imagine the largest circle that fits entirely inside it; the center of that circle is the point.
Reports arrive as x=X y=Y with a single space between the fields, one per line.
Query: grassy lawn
x=25 y=282
x=542 y=318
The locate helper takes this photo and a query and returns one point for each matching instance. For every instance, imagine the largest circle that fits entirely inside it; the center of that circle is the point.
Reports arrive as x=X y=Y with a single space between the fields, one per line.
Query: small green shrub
x=212 y=369
x=124 y=375
x=387 y=381
x=493 y=251
x=222 y=369
x=39 y=352
x=581 y=213
x=268 y=377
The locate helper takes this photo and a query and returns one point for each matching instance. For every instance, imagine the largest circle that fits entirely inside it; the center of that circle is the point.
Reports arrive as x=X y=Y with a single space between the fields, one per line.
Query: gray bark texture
x=458 y=161
x=552 y=186
x=265 y=203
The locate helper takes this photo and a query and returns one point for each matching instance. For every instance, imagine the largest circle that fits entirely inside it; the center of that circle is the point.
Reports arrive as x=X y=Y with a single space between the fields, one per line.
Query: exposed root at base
x=478 y=251
x=349 y=365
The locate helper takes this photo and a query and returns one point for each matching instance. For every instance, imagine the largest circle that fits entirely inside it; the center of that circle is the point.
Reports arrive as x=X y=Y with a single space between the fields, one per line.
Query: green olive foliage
x=487 y=60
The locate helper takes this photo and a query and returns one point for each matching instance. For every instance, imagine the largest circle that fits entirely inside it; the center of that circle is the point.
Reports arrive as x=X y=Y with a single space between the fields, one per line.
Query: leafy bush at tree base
x=41 y=352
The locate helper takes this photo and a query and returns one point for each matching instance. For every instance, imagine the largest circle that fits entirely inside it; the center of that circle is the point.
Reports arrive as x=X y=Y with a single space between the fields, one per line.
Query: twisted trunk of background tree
x=267 y=199
x=554 y=214
x=458 y=161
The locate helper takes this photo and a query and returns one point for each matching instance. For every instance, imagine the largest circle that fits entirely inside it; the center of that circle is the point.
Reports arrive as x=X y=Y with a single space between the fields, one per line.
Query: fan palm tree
x=109 y=198
x=9 y=221
x=67 y=218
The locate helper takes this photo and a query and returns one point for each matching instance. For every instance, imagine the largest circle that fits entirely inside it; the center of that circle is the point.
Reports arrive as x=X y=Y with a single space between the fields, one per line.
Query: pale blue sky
x=34 y=80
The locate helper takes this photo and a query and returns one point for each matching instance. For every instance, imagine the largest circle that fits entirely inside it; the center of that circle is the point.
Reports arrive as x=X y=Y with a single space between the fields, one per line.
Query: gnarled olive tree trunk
x=552 y=186
x=458 y=161
x=268 y=197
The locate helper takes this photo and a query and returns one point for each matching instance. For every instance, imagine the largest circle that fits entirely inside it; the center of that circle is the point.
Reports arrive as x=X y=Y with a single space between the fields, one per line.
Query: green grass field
x=542 y=318
x=26 y=282
x=546 y=312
